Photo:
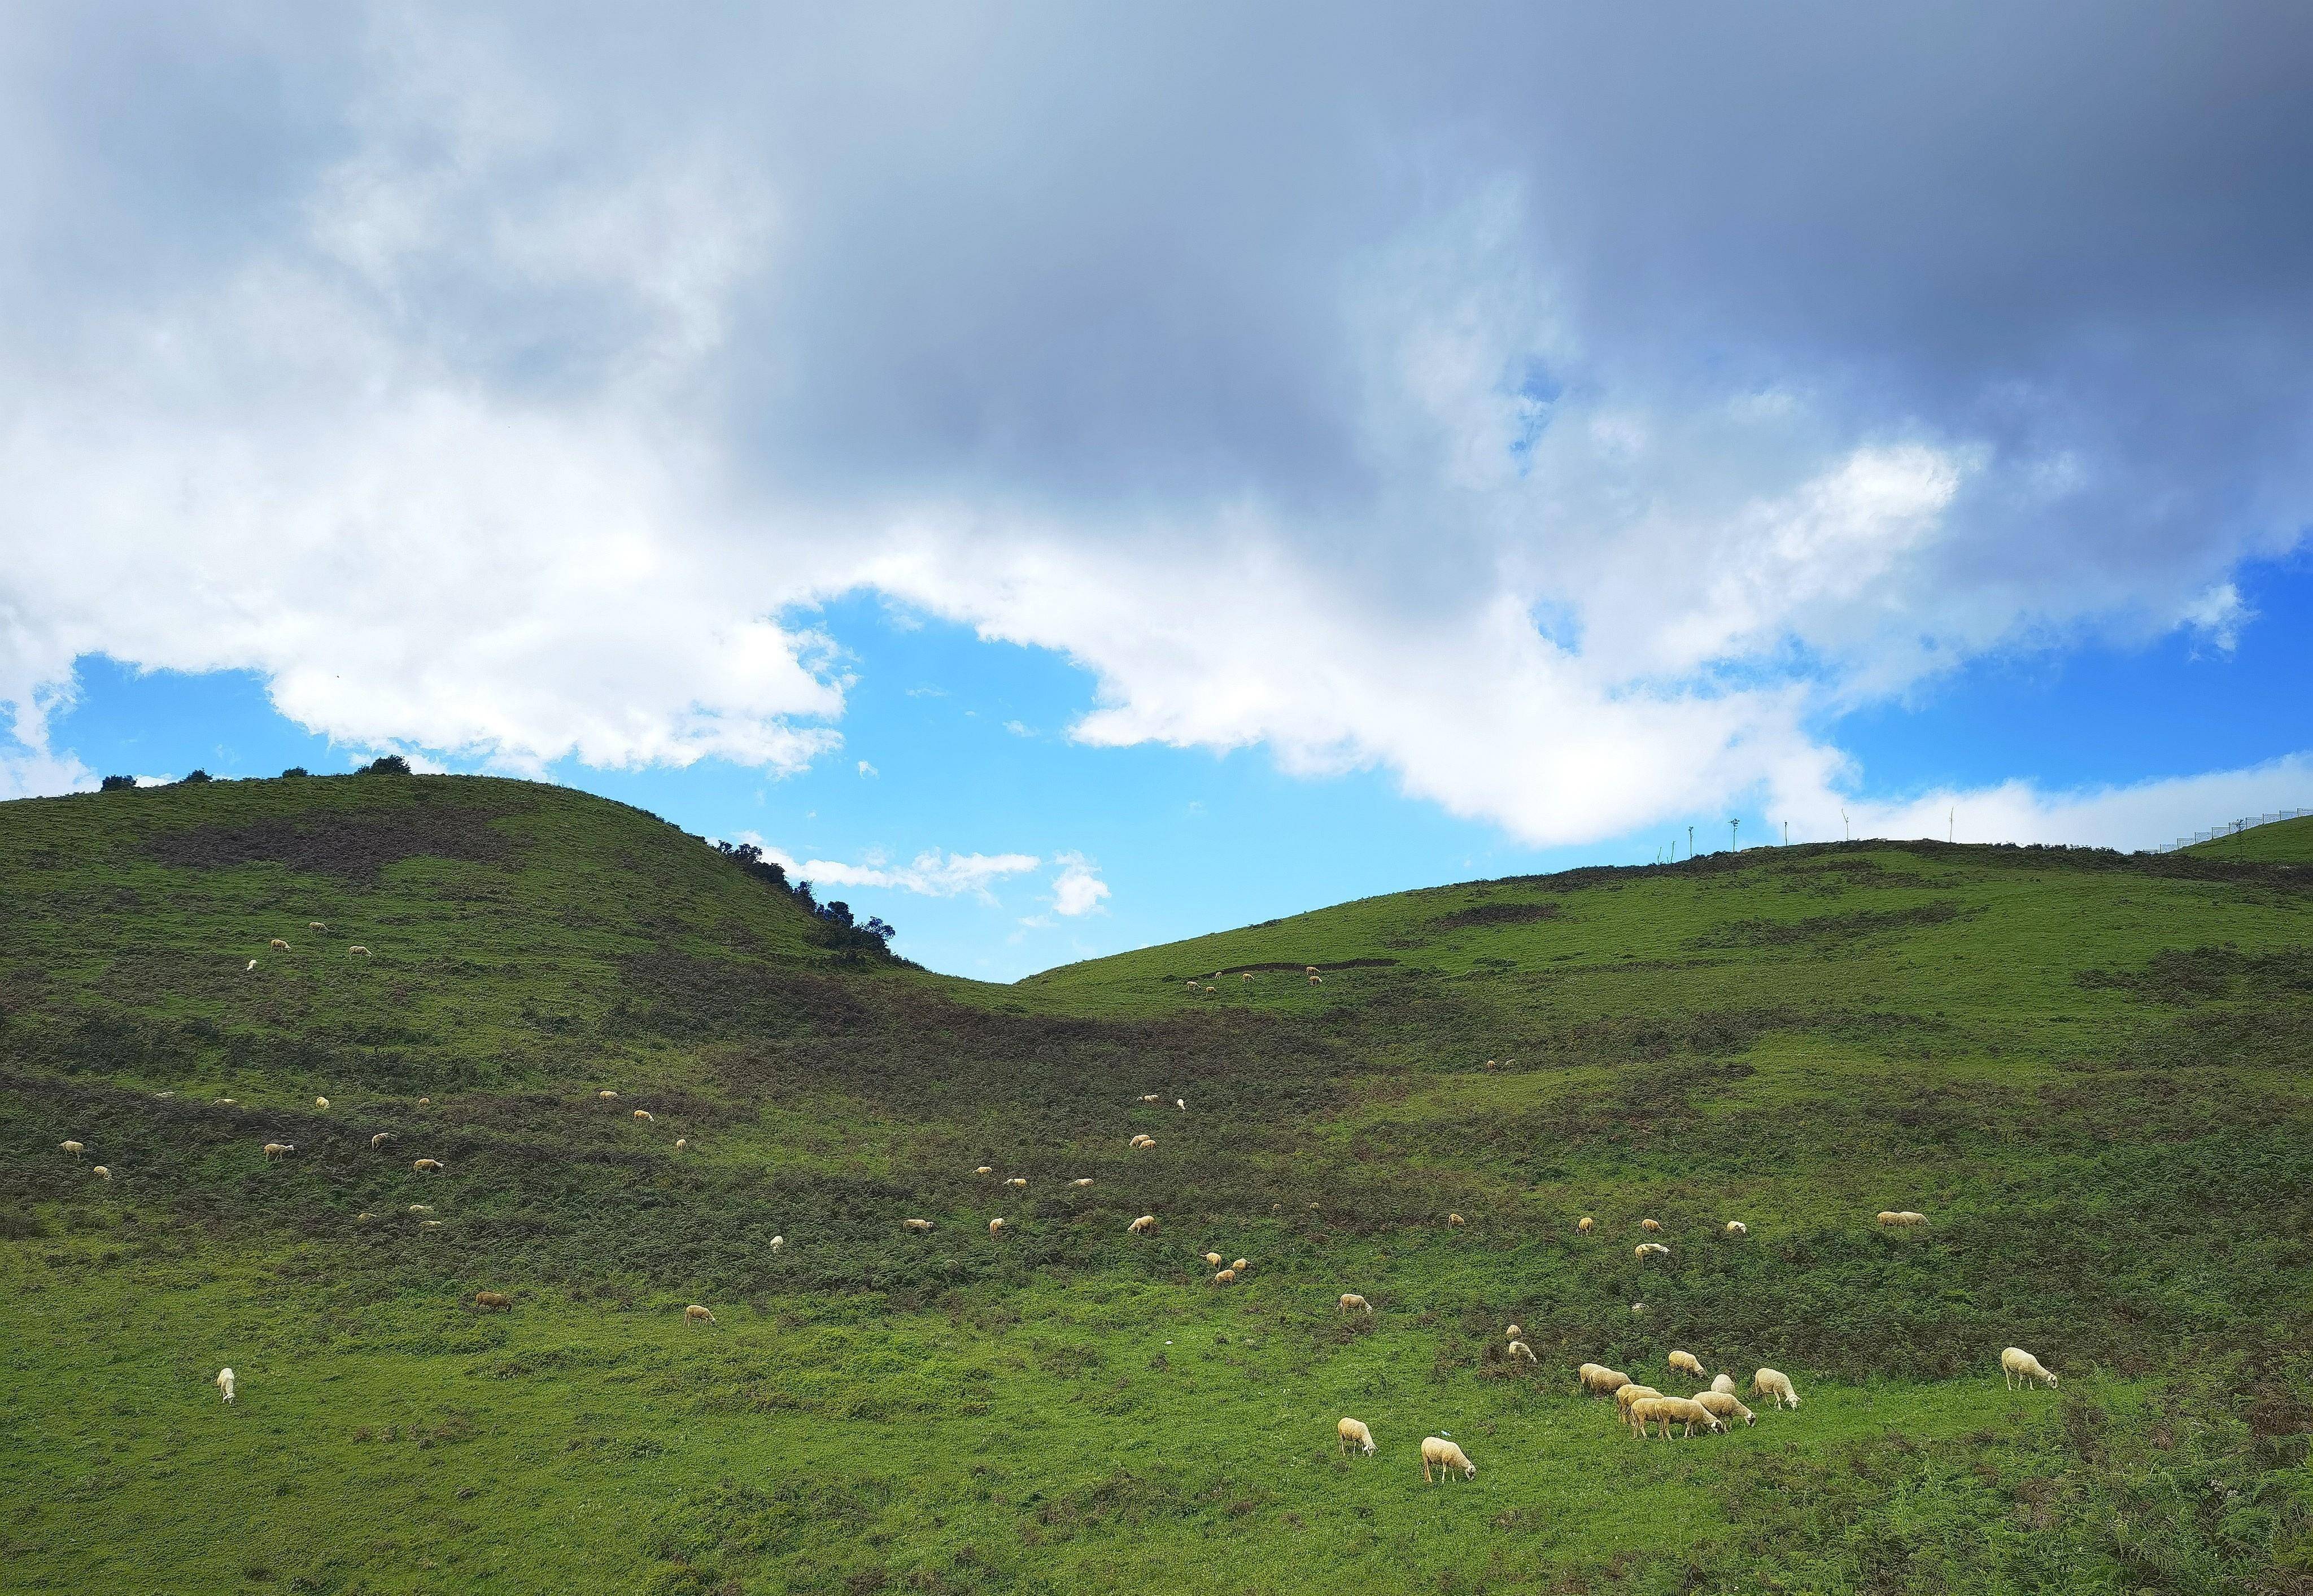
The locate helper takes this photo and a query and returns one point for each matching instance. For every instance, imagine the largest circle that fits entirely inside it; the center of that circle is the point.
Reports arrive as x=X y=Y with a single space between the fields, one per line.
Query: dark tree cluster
x=838 y=926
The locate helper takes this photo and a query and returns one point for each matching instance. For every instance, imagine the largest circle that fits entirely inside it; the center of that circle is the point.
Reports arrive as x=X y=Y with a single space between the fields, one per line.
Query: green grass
x=2090 y=1071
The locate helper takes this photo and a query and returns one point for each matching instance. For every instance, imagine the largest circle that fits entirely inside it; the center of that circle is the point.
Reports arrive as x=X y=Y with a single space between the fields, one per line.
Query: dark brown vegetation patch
x=1824 y=928
x=1495 y=914
x=356 y=847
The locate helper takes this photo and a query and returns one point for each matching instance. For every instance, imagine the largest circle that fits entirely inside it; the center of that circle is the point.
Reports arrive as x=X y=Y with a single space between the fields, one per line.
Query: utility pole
x=1846 y=832
x=1733 y=827
x=1690 y=841
x=1951 y=826
x=1787 y=834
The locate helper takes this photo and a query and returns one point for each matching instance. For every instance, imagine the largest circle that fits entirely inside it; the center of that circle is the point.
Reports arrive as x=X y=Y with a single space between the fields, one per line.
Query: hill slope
x=2090 y=1071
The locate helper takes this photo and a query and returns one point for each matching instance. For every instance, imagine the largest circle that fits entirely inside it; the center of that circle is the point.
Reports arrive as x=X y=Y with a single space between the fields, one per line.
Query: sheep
x=1650 y=1249
x=274 y=1149
x=250 y=965
x=279 y=945
x=680 y=1142
x=380 y=1140
x=497 y=1300
x=1680 y=1410
x=101 y=1172
x=358 y=948
x=1628 y=1397
x=1514 y=1331
x=1192 y=986
x=1085 y=1181
x=1316 y=981
x=1018 y=1183
x=985 y=1169
x=315 y=925
x=1212 y=1260
x=778 y=1242
x=364 y=1218
x=429 y=1166
x=1182 y=1104
x=1353 y=1433
x=1889 y=1219
x=421 y=1208
x=921 y=1227
x=320 y=1102
x=644 y=1116
x=1600 y=1380
x=1145 y=1143
x=1736 y=1227
x=1152 y=1097
x=1585 y=1225
x=694 y=1313
x=1241 y=1265
x=429 y=1224
x=1776 y=1386
x=1146 y=1225
x=996 y=1227
x=1636 y=1309
x=1246 y=976
x=2016 y=1363
x=1226 y=1277
x=1724 y=1384
x=1351 y=1302
x=1685 y=1364
x=423 y=1102
x=1436 y=1451
x=1652 y=1227
x=1454 y=1220
x=1642 y=1413
x=224 y=1383
x=606 y=1095
x=1520 y=1349
x=74 y=1147
x=1725 y=1405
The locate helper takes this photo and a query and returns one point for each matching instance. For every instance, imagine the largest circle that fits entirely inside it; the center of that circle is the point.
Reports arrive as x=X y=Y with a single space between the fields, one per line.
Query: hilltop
x=2089 y=1070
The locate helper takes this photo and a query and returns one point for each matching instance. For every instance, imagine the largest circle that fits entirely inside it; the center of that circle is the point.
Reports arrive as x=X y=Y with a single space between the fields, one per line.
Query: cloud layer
x=1569 y=412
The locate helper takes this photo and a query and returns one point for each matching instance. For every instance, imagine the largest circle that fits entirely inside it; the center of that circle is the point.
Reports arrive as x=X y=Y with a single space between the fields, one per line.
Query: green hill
x=2090 y=1071
x=2280 y=841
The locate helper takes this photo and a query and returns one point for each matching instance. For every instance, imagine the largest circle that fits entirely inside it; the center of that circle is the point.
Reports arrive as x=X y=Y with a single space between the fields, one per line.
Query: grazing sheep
x=1637 y=1309
x=1351 y=1302
x=1453 y=1220
x=224 y=1383
x=358 y=948
x=1725 y=1405
x=1736 y=1227
x=1085 y=1181
x=1680 y=1410
x=1182 y=1104
x=606 y=1095
x=1316 y=981
x=1600 y=1380
x=74 y=1147
x=1776 y=1386
x=1889 y=1219
x=315 y=925
x=1724 y=1384
x=497 y=1300
x=279 y=945
x=101 y=1172
x=694 y=1313
x=250 y=965
x=1642 y=1413
x=2016 y=1363
x=1352 y=1432
x=1628 y=1397
x=423 y=1102
x=644 y=1115
x=380 y=1140
x=1514 y=1331
x=429 y=1166
x=429 y=1224
x=421 y=1208
x=274 y=1149
x=1520 y=1349
x=1145 y=1143
x=1650 y=1249
x=680 y=1142
x=1192 y=986
x=1241 y=1265
x=1442 y=1453
x=985 y=1169
x=363 y=1219
x=922 y=1226
x=997 y=1227
x=1152 y=1097
x=1585 y=1225
x=1246 y=976
x=1226 y=1277
x=778 y=1242
x=1212 y=1260
x=1018 y=1183
x=1685 y=1364
x=320 y=1102
x=1652 y=1227
x=1146 y=1225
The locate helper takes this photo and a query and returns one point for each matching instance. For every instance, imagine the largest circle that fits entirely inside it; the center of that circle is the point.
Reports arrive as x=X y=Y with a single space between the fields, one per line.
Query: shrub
x=195 y=777
x=385 y=764
x=297 y=769
x=116 y=784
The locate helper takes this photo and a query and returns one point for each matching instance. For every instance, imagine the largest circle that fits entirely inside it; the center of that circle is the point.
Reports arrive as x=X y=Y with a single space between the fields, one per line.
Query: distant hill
x=2090 y=1071
x=2283 y=841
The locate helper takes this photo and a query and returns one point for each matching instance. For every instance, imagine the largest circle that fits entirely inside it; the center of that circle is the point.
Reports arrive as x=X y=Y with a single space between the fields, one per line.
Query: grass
x=2089 y=1070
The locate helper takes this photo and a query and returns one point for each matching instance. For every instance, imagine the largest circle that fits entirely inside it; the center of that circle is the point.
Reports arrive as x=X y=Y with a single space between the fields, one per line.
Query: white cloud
x=1078 y=889
x=931 y=873
x=1019 y=728
x=2132 y=815
x=868 y=770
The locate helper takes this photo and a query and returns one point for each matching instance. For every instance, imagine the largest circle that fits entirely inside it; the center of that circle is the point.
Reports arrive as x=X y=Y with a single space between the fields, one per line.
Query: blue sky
x=1203 y=466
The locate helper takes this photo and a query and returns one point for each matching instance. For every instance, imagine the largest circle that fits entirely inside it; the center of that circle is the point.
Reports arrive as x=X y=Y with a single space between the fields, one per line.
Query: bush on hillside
x=385 y=764
x=197 y=776
x=117 y=783
x=297 y=769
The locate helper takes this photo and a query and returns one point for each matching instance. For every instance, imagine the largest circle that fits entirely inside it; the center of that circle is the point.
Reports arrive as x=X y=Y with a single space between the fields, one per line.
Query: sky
x=1069 y=477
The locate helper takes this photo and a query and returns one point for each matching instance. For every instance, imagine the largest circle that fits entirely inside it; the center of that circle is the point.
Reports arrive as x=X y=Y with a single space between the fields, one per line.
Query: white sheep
x=1182 y=1104
x=358 y=948
x=274 y=1149
x=1146 y=1225
x=320 y=1102
x=1213 y=1260
x=1628 y=1397
x=1226 y=1277
x=922 y=1226
x=1776 y=1386
x=429 y=1166
x=1643 y=1412
x=74 y=1147
x=224 y=1382
x=1514 y=1331
x=1353 y=1433
x=997 y=1227
x=644 y=1116
x=1585 y=1225
x=1143 y=1143
x=1724 y=1384
x=606 y=1095
x=1436 y=1450
x=315 y=925
x=1085 y=1181
x=778 y=1242
x=422 y=1102
x=1241 y=1265
x=1652 y=1227
x=1455 y=1221
x=1350 y=1302
x=380 y=1140
x=1018 y=1183
x=1651 y=1249
x=985 y=1169
x=1685 y=1364
x=1316 y=981
x=1736 y=1227
x=429 y=1224
x=1725 y=1405
x=279 y=945
x=680 y=1142
x=101 y=1172
x=421 y=1208
x=2016 y=1363
x=694 y=1313
x=1890 y=1220
x=1152 y=1097
x=1600 y=1380
x=250 y=965
x=1682 y=1411
x=1520 y=1349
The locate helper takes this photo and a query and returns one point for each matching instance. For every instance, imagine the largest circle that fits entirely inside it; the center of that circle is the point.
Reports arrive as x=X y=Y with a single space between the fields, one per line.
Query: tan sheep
x=1454 y=1220
x=985 y=1169
x=274 y=1150
x=380 y=1140
x=358 y=948
x=1685 y=1364
x=421 y=1208
x=778 y=1242
x=279 y=945
x=224 y=1383
x=997 y=1227
x=1241 y=1265
x=1316 y=981
x=1351 y=1302
x=101 y=1172
x=74 y=1147
x=423 y=1102
x=921 y=1227
x=1736 y=1227
x=1600 y=1380
x=1146 y=1225
x=1726 y=1406
x=363 y=1219
x=1724 y=1384
x=1309 y=969
x=1085 y=1181
x=1352 y=1432
x=1652 y=1227
x=1520 y=1349
x=497 y=1300
x=694 y=1313
x=249 y=967
x=1018 y=1183
x=1628 y=1397
x=429 y=1224
x=644 y=1116
x=1681 y=1411
x=1650 y=1249
x=1246 y=976
x=1890 y=1220
x=1145 y=1143
x=1776 y=1386
x=680 y=1142
x=1213 y=1260
x=429 y=1166
x=2016 y=1363
x=1152 y=1097
x=1514 y=1331
x=1446 y=1457
x=1642 y=1413
x=1585 y=1225
x=320 y=1102
x=315 y=925
x=1226 y=1277
x=606 y=1095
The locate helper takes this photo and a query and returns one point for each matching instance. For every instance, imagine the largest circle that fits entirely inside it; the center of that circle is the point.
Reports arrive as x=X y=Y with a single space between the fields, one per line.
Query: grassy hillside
x=2283 y=841
x=2090 y=1071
